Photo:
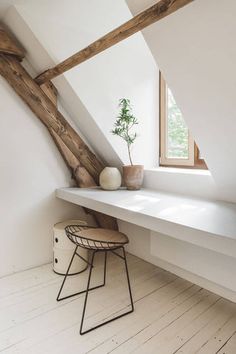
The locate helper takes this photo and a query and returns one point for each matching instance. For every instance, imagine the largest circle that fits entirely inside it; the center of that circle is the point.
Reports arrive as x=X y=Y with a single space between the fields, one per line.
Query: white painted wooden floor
x=171 y=314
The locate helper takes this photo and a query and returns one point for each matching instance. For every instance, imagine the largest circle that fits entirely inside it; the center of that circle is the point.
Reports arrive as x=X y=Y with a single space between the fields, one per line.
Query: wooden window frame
x=194 y=160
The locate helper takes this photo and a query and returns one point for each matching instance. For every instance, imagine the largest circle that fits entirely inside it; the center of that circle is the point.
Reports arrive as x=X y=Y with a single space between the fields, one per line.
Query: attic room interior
x=118 y=198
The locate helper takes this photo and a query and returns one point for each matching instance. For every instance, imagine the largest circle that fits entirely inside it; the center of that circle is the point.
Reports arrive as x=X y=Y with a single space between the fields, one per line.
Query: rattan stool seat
x=96 y=238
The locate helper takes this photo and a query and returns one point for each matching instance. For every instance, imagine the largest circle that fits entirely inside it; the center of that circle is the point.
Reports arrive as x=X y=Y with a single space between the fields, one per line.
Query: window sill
x=191 y=182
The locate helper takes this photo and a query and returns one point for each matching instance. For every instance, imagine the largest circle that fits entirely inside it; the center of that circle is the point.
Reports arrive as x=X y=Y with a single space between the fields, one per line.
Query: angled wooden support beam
x=42 y=101
x=83 y=180
x=79 y=173
x=50 y=90
x=156 y=12
x=9 y=45
x=47 y=112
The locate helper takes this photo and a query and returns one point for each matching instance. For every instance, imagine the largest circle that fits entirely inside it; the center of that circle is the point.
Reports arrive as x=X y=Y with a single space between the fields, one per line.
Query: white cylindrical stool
x=63 y=250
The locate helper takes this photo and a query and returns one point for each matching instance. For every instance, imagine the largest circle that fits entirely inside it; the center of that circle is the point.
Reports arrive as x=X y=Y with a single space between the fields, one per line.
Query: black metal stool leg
x=105 y=268
x=127 y=274
x=86 y=296
x=67 y=272
x=87 y=291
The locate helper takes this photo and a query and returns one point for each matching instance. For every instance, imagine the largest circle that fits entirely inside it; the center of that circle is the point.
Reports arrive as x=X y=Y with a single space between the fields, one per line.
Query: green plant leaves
x=125 y=122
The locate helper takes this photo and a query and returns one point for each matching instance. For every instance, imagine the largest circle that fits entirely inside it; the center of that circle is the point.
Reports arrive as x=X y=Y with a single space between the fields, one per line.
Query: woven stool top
x=96 y=238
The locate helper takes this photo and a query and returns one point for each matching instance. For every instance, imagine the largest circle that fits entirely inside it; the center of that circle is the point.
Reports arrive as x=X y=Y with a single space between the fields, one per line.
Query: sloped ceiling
x=51 y=31
x=74 y=110
x=195 y=49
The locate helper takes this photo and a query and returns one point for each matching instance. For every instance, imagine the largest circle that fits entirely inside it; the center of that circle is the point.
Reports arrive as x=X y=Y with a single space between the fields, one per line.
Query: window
x=177 y=146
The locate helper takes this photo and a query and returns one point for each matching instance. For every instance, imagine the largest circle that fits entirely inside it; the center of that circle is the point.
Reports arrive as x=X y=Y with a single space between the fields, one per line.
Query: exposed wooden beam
x=46 y=100
x=156 y=12
x=48 y=113
x=81 y=176
x=83 y=180
x=50 y=90
x=71 y=161
x=103 y=220
x=79 y=173
x=9 y=45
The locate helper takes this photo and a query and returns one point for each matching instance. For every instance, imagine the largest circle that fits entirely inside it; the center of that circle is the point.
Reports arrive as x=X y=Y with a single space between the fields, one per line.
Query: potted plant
x=123 y=127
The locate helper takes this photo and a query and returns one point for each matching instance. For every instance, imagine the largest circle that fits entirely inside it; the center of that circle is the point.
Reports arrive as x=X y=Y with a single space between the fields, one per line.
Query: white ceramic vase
x=110 y=178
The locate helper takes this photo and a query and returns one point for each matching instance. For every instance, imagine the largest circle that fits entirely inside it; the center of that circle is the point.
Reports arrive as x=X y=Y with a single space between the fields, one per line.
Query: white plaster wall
x=39 y=60
x=40 y=169
x=31 y=170
x=125 y=70
x=194 y=48
x=99 y=83
x=34 y=209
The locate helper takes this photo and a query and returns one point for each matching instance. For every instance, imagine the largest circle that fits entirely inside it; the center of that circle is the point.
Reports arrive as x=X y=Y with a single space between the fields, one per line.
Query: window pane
x=177 y=131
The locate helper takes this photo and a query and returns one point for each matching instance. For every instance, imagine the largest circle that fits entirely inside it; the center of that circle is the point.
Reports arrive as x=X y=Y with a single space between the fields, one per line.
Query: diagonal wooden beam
x=79 y=173
x=156 y=12
x=83 y=180
x=42 y=100
x=9 y=45
x=50 y=90
x=47 y=112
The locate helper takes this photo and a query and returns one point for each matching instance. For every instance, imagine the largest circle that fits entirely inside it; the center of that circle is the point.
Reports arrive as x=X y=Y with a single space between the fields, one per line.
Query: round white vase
x=110 y=178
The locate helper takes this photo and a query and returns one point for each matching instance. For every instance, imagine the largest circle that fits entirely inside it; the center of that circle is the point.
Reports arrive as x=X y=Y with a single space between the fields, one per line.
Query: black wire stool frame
x=92 y=245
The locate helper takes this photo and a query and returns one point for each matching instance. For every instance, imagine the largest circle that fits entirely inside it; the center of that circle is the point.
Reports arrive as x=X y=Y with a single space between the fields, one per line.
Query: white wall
x=92 y=91
x=125 y=70
x=198 y=62
x=31 y=170
x=34 y=209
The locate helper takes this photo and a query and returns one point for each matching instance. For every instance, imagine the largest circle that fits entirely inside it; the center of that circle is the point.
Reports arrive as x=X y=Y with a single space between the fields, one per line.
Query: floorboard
x=171 y=314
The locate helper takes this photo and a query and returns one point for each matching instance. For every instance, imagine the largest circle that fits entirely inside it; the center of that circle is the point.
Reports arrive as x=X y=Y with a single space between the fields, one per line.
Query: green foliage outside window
x=177 y=133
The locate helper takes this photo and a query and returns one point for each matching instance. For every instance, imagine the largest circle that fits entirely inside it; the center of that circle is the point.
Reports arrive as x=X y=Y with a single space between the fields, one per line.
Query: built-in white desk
x=162 y=212
x=204 y=226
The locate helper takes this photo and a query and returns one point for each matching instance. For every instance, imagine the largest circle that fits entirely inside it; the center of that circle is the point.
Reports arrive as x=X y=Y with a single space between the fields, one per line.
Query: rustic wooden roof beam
x=48 y=113
x=9 y=45
x=156 y=12
x=42 y=100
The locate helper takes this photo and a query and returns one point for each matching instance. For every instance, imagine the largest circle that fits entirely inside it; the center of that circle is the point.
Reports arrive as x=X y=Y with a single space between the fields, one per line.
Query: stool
x=96 y=240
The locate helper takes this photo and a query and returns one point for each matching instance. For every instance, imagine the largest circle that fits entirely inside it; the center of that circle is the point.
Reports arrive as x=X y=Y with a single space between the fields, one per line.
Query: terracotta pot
x=133 y=176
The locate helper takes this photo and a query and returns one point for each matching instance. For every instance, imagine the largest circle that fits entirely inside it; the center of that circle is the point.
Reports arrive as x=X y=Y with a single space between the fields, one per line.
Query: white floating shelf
x=158 y=211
